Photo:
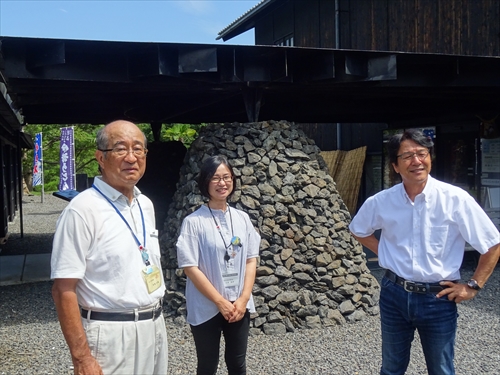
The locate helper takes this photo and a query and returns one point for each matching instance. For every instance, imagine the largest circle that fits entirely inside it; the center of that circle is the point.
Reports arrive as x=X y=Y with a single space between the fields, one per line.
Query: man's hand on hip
x=456 y=291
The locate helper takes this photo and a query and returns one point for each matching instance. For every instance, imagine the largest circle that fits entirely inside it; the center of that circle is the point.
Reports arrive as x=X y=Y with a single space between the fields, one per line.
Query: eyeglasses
x=407 y=156
x=120 y=151
x=217 y=180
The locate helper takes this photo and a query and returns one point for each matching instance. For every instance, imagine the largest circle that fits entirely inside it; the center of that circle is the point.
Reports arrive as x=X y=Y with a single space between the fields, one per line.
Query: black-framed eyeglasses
x=407 y=156
x=121 y=151
x=217 y=179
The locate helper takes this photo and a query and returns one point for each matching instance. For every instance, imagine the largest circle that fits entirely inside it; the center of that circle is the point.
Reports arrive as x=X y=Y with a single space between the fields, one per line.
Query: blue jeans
x=402 y=312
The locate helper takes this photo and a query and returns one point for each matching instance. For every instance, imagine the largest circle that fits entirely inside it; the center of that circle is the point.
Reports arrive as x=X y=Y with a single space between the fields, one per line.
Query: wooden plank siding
x=327 y=24
x=462 y=27
x=307 y=25
x=264 y=33
x=344 y=24
x=353 y=135
x=379 y=26
x=426 y=25
x=283 y=25
x=324 y=135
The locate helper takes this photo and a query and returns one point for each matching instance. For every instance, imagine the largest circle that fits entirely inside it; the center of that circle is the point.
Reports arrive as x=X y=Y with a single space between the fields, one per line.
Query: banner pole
x=73 y=159
x=38 y=163
x=41 y=162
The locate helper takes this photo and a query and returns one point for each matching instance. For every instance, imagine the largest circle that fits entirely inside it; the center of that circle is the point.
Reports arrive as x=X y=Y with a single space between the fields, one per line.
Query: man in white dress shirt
x=108 y=284
x=424 y=225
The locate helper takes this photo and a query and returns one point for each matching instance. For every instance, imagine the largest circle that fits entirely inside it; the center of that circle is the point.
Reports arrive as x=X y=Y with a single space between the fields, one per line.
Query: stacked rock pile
x=312 y=272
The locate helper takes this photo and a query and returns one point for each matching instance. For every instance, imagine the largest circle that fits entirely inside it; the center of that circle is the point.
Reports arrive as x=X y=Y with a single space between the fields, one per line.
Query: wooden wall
x=352 y=135
x=464 y=27
x=9 y=181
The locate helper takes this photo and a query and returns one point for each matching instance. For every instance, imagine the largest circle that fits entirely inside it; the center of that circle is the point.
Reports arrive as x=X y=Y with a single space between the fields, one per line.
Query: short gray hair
x=102 y=139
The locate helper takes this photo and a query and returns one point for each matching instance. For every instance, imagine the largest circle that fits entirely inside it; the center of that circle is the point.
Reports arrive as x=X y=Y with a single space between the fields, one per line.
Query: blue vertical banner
x=37 y=161
x=67 y=160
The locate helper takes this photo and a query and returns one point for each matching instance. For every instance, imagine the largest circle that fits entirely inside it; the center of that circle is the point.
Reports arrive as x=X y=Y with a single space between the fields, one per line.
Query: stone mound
x=312 y=272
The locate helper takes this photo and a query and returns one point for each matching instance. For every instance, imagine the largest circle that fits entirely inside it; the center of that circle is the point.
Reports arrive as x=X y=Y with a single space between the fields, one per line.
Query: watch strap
x=473 y=284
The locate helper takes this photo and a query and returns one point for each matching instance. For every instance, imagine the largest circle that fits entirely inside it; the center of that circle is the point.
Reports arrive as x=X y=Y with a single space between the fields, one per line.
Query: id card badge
x=152 y=278
x=231 y=278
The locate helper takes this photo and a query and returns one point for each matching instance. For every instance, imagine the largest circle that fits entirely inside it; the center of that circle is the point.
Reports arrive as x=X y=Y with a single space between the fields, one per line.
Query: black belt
x=123 y=316
x=411 y=286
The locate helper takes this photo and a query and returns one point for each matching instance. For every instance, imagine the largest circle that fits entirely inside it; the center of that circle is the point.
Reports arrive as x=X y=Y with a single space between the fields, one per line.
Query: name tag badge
x=231 y=279
x=230 y=265
x=152 y=278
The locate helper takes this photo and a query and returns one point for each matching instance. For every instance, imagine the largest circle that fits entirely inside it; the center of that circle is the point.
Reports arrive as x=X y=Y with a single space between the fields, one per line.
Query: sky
x=175 y=21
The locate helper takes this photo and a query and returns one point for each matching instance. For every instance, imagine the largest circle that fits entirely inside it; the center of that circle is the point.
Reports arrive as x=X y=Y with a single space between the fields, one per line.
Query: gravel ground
x=31 y=341
x=38 y=226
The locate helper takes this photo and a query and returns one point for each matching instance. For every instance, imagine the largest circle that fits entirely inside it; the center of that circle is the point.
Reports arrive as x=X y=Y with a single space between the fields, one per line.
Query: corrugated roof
x=250 y=13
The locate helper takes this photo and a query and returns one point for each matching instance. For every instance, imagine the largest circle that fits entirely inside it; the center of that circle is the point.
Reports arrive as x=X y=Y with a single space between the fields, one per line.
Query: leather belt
x=153 y=313
x=415 y=287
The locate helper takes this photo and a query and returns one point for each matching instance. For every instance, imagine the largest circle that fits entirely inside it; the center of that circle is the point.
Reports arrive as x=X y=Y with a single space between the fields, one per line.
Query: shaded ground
x=39 y=222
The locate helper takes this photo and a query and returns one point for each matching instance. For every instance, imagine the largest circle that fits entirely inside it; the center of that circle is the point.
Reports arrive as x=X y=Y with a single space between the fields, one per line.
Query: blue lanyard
x=144 y=254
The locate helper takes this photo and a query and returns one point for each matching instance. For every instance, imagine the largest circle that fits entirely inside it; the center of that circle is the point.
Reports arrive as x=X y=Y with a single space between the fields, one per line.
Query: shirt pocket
x=153 y=246
x=435 y=238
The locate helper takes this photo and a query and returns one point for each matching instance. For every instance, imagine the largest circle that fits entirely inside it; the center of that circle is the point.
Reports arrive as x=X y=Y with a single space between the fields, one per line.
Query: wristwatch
x=473 y=284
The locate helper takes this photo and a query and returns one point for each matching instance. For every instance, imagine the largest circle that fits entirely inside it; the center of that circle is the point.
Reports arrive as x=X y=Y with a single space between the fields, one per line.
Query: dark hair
x=412 y=135
x=208 y=170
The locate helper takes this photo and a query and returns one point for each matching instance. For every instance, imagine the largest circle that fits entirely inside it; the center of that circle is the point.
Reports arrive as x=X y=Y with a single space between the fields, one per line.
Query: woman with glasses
x=218 y=249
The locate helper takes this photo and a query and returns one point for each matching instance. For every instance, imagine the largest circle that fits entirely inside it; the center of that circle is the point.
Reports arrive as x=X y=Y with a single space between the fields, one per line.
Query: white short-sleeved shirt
x=92 y=243
x=424 y=240
x=200 y=245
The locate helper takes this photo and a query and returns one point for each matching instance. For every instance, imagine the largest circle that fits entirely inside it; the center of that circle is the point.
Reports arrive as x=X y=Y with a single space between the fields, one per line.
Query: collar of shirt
x=425 y=194
x=111 y=192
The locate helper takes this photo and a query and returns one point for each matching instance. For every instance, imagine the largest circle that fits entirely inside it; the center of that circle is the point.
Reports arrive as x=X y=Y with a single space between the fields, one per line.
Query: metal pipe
x=337 y=26
x=337 y=46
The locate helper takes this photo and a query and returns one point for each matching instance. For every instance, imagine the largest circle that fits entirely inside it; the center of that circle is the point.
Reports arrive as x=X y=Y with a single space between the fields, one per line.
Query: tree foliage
x=85 y=146
x=186 y=133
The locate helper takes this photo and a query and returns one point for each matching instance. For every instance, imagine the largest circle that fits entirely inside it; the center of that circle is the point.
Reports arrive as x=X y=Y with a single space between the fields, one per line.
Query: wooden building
x=12 y=141
x=457 y=27
x=349 y=70
x=444 y=27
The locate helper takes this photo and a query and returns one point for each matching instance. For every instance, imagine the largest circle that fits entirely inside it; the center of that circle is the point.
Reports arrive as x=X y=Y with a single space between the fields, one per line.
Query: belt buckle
x=409 y=286
x=156 y=312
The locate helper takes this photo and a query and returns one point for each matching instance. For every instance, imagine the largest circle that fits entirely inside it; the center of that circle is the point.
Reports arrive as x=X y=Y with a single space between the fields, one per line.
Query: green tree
x=181 y=132
x=186 y=133
x=85 y=146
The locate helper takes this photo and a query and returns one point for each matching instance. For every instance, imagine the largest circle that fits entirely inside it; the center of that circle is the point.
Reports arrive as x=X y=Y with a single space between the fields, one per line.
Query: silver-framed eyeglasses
x=121 y=151
x=216 y=179
x=407 y=156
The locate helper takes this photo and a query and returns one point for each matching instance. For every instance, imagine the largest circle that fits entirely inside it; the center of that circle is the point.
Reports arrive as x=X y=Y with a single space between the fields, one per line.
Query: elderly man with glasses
x=108 y=284
x=424 y=225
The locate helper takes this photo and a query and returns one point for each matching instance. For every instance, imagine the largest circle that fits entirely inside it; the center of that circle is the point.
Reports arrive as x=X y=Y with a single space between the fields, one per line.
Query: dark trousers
x=207 y=340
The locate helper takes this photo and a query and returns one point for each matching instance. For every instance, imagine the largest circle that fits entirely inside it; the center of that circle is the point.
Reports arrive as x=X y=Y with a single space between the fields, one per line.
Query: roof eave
x=243 y=23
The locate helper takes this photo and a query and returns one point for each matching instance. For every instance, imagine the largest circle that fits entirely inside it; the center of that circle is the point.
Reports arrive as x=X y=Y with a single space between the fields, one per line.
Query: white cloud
x=195 y=6
x=63 y=10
